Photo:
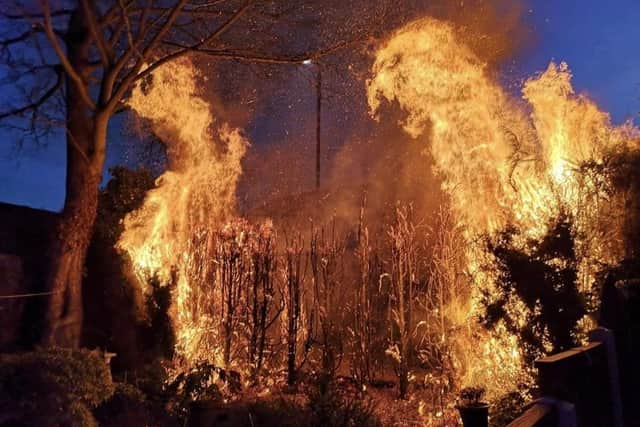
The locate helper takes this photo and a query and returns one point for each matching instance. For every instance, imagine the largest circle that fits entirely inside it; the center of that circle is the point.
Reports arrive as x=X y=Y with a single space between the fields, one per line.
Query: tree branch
x=130 y=78
x=38 y=102
x=64 y=61
x=186 y=49
x=22 y=16
x=112 y=74
x=23 y=37
x=295 y=59
x=74 y=143
x=90 y=17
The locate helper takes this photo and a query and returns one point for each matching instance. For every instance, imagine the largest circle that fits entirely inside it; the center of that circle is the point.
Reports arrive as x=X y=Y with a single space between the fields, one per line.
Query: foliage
x=53 y=387
x=472 y=396
x=326 y=259
x=542 y=277
x=278 y=411
x=294 y=272
x=203 y=382
x=157 y=333
x=128 y=406
x=403 y=277
x=330 y=408
x=507 y=408
x=124 y=193
x=109 y=288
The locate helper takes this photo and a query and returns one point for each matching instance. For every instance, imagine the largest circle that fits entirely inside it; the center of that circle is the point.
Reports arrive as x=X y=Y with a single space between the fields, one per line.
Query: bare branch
x=111 y=75
x=27 y=15
x=76 y=146
x=224 y=27
x=296 y=59
x=197 y=46
x=38 y=102
x=23 y=37
x=90 y=17
x=64 y=61
x=130 y=78
x=19 y=38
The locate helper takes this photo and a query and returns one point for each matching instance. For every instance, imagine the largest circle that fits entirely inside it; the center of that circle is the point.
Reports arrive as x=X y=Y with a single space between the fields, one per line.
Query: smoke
x=494 y=30
x=427 y=68
x=358 y=158
x=504 y=163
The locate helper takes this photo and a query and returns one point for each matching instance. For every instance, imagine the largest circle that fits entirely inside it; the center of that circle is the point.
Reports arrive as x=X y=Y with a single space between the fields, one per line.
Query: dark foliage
x=53 y=387
x=110 y=294
x=127 y=407
x=204 y=382
x=329 y=407
x=543 y=277
x=623 y=173
x=280 y=411
x=156 y=334
x=507 y=408
x=472 y=396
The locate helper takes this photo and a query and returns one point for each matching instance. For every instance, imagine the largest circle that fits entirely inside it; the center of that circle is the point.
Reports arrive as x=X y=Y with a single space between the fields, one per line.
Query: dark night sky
x=598 y=39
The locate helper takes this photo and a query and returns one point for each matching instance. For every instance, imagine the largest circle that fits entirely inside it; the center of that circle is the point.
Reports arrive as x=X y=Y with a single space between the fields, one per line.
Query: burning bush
x=245 y=301
x=538 y=296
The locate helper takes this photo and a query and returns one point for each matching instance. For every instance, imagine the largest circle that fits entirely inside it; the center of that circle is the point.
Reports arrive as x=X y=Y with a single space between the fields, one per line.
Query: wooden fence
x=578 y=387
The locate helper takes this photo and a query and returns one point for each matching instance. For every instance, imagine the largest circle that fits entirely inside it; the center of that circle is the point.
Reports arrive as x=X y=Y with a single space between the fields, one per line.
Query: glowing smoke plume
x=502 y=161
x=194 y=196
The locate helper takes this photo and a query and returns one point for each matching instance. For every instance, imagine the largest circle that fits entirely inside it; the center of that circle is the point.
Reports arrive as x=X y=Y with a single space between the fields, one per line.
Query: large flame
x=194 y=195
x=502 y=161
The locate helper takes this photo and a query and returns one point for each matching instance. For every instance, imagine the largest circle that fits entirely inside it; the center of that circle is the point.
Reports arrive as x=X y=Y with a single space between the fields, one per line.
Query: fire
x=195 y=194
x=502 y=161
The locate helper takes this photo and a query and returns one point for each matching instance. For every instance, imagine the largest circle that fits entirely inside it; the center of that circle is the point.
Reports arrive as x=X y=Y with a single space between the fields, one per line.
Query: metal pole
x=318 y=116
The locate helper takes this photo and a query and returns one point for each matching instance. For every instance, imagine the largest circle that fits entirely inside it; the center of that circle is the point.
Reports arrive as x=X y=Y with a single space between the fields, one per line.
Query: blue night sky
x=598 y=39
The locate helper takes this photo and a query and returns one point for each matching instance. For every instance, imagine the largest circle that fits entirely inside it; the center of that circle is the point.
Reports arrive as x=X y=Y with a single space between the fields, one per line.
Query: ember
x=447 y=232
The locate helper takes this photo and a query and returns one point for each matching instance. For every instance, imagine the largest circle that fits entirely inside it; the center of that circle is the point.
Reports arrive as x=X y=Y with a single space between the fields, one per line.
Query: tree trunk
x=63 y=317
x=86 y=135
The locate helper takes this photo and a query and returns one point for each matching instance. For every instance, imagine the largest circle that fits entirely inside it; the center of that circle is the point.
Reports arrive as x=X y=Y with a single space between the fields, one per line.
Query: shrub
x=330 y=408
x=128 y=406
x=279 y=411
x=472 y=396
x=53 y=387
x=203 y=382
x=507 y=408
x=542 y=279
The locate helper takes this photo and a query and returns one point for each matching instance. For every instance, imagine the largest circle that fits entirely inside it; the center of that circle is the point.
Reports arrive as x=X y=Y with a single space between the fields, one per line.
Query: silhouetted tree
x=112 y=298
x=543 y=277
x=73 y=63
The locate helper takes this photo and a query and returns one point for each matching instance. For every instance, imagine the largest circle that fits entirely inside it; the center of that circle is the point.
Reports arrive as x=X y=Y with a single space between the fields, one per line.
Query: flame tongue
x=503 y=162
x=195 y=194
x=500 y=165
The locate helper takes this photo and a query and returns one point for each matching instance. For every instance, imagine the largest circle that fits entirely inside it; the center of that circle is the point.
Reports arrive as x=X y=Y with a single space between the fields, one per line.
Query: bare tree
x=74 y=62
x=443 y=304
x=234 y=269
x=262 y=310
x=326 y=255
x=295 y=270
x=403 y=278
x=364 y=307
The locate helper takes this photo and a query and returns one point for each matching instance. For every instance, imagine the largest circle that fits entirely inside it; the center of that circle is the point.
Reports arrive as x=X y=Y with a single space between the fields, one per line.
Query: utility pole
x=318 y=122
x=318 y=115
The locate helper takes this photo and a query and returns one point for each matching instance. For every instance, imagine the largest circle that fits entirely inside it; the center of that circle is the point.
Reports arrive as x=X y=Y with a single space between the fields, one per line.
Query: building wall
x=23 y=237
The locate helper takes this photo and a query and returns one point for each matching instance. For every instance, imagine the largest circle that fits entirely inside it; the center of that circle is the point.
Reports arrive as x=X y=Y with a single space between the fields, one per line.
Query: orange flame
x=502 y=161
x=196 y=193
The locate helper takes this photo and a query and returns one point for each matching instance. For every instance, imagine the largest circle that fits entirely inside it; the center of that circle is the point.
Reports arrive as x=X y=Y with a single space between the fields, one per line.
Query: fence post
x=606 y=337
